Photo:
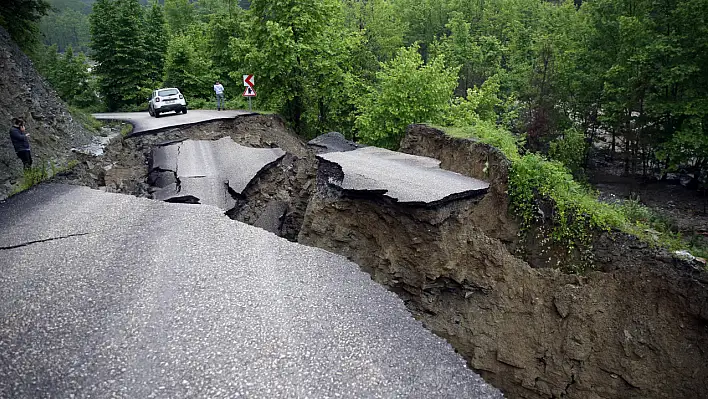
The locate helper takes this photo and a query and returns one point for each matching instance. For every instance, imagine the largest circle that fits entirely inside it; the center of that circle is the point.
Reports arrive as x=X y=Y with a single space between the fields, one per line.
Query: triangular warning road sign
x=249 y=92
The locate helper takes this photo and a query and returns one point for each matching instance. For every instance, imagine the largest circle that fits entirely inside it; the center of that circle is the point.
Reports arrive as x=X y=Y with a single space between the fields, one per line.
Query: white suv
x=165 y=100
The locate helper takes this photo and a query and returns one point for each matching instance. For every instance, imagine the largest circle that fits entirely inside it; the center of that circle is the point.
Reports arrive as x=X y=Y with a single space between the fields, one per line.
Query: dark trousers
x=26 y=158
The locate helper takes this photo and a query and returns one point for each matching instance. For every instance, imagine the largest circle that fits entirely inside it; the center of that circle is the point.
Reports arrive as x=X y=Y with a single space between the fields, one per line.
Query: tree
x=155 y=42
x=179 y=15
x=19 y=18
x=66 y=28
x=187 y=66
x=67 y=74
x=299 y=56
x=119 y=48
x=382 y=27
x=407 y=91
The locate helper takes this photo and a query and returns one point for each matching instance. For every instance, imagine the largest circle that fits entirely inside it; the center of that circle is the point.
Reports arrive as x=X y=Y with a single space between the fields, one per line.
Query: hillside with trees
x=557 y=85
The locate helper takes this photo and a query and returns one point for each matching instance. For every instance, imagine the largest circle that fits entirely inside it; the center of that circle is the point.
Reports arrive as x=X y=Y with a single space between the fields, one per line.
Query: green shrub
x=407 y=91
x=200 y=103
x=570 y=150
x=126 y=129
x=576 y=211
x=85 y=118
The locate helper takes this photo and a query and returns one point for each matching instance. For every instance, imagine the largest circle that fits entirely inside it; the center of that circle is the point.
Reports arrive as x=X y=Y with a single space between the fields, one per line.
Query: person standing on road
x=20 y=140
x=219 y=90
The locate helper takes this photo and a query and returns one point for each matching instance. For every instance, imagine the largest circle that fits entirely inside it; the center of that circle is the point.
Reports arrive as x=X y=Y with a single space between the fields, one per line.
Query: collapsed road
x=143 y=123
x=456 y=258
x=210 y=172
x=110 y=295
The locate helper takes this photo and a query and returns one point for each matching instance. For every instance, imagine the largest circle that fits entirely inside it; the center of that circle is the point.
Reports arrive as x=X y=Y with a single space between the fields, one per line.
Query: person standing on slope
x=20 y=141
x=219 y=90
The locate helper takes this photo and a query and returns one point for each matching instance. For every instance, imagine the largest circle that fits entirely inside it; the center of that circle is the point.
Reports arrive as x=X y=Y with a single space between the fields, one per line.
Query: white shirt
x=219 y=89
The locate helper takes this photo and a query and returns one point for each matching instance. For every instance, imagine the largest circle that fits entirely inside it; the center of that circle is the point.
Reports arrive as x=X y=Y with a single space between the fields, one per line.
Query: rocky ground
x=24 y=93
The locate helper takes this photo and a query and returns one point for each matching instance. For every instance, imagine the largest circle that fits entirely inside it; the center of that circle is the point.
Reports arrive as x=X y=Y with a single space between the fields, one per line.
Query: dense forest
x=542 y=80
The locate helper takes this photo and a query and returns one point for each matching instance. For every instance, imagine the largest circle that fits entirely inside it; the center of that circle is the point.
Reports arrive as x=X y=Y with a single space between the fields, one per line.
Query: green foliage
x=187 y=68
x=19 y=18
x=570 y=150
x=479 y=105
x=299 y=56
x=66 y=28
x=576 y=213
x=407 y=91
x=86 y=119
x=68 y=74
x=179 y=15
x=118 y=41
x=156 y=33
x=490 y=133
x=125 y=129
x=382 y=28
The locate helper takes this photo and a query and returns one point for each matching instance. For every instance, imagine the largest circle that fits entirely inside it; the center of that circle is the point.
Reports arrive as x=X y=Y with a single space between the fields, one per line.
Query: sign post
x=249 y=92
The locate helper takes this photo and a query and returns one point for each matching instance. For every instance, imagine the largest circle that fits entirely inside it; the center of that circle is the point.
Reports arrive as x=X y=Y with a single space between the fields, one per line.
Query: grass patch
x=577 y=212
x=125 y=129
x=38 y=174
x=86 y=119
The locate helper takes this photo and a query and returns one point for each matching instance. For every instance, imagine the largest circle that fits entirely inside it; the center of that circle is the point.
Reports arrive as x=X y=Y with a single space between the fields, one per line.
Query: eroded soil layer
x=638 y=330
x=276 y=199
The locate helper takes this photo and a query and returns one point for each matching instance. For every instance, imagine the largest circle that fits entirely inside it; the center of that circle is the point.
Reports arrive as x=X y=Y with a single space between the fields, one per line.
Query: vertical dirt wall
x=639 y=330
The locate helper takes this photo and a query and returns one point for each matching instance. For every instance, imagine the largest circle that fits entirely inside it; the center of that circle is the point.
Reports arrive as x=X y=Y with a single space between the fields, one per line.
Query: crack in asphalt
x=43 y=240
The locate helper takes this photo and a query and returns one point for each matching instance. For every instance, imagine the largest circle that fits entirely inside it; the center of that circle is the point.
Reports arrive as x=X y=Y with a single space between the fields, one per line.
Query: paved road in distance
x=144 y=123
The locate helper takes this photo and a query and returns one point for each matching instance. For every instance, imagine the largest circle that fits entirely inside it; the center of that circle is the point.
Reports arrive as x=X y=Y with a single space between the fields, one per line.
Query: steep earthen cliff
x=24 y=93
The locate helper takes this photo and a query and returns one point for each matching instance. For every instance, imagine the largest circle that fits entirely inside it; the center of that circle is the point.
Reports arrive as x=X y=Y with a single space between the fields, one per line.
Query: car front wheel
x=184 y=110
x=157 y=113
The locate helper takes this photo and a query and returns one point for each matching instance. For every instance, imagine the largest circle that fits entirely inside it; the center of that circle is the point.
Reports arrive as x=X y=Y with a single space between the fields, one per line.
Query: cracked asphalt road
x=207 y=170
x=106 y=295
x=144 y=123
x=402 y=177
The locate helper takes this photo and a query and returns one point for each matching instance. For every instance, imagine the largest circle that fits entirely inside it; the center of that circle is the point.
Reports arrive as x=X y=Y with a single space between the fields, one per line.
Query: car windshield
x=168 y=92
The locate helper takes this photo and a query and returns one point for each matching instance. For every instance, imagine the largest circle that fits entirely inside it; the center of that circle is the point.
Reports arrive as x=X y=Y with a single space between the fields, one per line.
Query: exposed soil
x=636 y=329
x=286 y=186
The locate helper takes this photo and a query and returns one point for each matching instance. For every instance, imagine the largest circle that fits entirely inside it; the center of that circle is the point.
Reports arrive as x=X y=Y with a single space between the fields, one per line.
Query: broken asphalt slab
x=402 y=177
x=208 y=172
x=333 y=142
x=139 y=298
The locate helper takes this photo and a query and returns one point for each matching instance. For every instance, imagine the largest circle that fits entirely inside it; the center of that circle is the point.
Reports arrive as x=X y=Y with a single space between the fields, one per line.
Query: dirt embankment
x=638 y=330
x=23 y=93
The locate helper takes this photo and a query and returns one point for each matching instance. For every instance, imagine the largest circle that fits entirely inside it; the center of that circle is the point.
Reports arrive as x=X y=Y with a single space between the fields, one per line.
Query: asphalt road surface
x=208 y=170
x=107 y=295
x=144 y=123
x=402 y=177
